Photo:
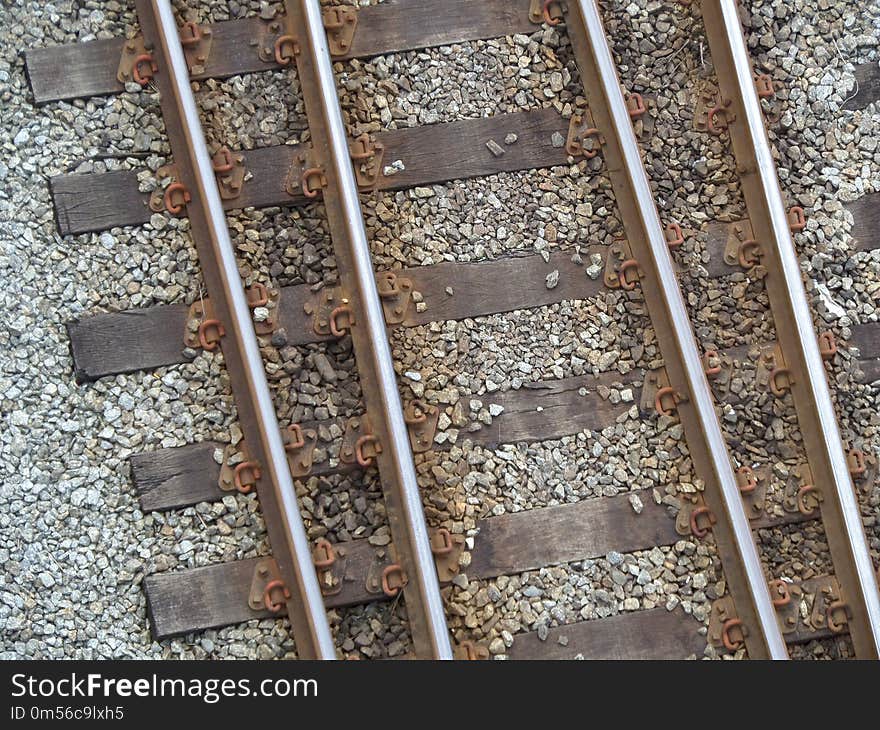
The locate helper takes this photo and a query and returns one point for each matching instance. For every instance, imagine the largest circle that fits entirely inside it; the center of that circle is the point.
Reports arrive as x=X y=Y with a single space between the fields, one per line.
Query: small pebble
x=496 y=149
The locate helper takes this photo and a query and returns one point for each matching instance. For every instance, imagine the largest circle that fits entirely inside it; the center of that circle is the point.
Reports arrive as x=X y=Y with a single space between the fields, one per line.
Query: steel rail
x=369 y=335
x=794 y=325
x=240 y=348
x=645 y=234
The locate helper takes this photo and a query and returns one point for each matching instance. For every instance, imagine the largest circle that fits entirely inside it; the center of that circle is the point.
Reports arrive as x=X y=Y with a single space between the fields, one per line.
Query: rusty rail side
x=648 y=242
x=803 y=366
x=233 y=328
x=365 y=321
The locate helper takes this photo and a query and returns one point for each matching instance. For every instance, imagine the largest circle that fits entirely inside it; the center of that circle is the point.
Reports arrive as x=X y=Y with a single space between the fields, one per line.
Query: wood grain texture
x=432 y=154
x=551 y=409
x=124 y=342
x=866 y=221
x=213 y=596
x=803 y=633
x=867 y=77
x=457 y=150
x=217 y=595
x=79 y=69
x=717 y=240
x=172 y=478
x=89 y=69
x=494 y=287
x=536 y=538
x=182 y=476
x=870 y=370
x=401 y=25
x=92 y=202
x=519 y=282
x=179 y=477
x=866 y=337
x=866 y=235
x=652 y=634
x=195 y=599
x=140 y=339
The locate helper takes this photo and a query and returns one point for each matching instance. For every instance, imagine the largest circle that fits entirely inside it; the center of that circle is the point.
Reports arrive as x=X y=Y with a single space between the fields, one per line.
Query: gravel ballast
x=74 y=546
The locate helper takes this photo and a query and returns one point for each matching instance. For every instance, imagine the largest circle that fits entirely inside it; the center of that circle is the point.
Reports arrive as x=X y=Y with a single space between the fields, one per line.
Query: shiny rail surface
x=646 y=236
x=368 y=331
x=241 y=351
x=324 y=168
x=794 y=326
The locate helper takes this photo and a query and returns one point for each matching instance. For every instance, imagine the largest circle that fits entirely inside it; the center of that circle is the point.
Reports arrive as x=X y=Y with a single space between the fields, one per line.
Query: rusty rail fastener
x=658 y=400
x=469 y=651
x=697 y=531
x=274 y=586
x=317 y=174
x=730 y=643
x=190 y=33
x=335 y=329
x=140 y=77
x=797 y=219
x=297 y=438
x=545 y=10
x=591 y=132
x=176 y=197
x=764 y=86
x=856 y=462
x=257 y=295
x=835 y=608
x=775 y=387
x=286 y=49
x=827 y=345
x=210 y=333
x=749 y=481
x=222 y=160
x=246 y=475
x=391 y=586
x=363 y=460
x=324 y=555
x=719 y=109
x=780 y=593
x=418 y=414
x=749 y=253
x=708 y=357
x=446 y=546
x=635 y=104
x=808 y=499
x=674 y=235
x=627 y=265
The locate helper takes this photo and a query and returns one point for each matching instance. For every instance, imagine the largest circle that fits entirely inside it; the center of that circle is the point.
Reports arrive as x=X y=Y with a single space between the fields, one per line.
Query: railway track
x=797 y=362
x=300 y=579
